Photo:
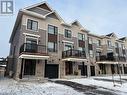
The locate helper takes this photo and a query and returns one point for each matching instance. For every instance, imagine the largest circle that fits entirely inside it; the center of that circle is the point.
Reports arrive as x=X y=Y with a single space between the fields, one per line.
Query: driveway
x=87 y=90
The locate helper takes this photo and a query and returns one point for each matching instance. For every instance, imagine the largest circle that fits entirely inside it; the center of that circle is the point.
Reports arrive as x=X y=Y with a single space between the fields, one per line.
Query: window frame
x=90 y=40
x=31 y=25
x=66 y=31
x=109 y=43
x=81 y=48
x=54 y=29
x=68 y=44
x=82 y=37
x=91 y=55
x=98 y=42
x=116 y=45
x=54 y=49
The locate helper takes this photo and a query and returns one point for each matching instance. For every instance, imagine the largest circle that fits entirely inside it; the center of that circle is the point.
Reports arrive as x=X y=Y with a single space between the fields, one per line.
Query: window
x=52 y=47
x=52 y=30
x=98 y=43
x=32 y=25
x=31 y=41
x=90 y=41
x=31 y=45
x=68 y=46
x=91 y=53
x=116 y=45
x=67 y=33
x=109 y=43
x=123 y=46
x=81 y=37
x=81 y=48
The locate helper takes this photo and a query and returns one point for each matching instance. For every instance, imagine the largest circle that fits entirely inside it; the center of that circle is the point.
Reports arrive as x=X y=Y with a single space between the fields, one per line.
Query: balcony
x=111 y=58
x=74 y=54
x=33 y=49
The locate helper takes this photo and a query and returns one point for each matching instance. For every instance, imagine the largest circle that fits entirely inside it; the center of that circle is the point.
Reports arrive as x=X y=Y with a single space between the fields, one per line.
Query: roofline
x=15 y=25
x=37 y=4
x=95 y=35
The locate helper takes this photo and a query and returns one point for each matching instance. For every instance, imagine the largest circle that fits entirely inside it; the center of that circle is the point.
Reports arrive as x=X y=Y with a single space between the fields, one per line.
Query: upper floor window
x=90 y=41
x=98 y=42
x=52 y=29
x=109 y=43
x=81 y=48
x=67 y=33
x=32 y=25
x=116 y=45
x=52 y=46
x=81 y=37
x=122 y=46
x=68 y=46
x=91 y=53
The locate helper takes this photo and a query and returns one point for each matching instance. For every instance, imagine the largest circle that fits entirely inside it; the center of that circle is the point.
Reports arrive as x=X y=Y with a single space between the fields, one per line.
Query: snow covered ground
x=12 y=87
x=121 y=89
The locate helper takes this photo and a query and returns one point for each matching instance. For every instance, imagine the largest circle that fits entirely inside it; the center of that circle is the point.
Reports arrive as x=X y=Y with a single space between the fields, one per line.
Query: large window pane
x=98 y=43
x=109 y=43
x=68 y=46
x=52 y=47
x=81 y=37
x=32 y=25
x=35 y=25
x=52 y=30
x=90 y=41
x=91 y=53
x=67 y=33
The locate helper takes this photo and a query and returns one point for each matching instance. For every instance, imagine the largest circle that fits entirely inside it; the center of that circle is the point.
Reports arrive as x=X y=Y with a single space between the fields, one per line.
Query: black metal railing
x=74 y=54
x=32 y=48
x=111 y=58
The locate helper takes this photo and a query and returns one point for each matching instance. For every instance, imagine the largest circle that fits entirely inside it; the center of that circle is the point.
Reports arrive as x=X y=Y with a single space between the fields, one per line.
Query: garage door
x=51 y=71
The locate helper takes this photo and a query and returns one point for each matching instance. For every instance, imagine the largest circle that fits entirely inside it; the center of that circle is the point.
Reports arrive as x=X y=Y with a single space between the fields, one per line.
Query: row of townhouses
x=43 y=45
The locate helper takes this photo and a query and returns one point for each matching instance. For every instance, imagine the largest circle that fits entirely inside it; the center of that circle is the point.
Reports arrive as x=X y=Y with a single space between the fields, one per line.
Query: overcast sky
x=98 y=16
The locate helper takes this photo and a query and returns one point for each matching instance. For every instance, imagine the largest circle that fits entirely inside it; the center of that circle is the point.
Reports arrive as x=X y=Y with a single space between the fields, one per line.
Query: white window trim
x=33 y=35
x=65 y=41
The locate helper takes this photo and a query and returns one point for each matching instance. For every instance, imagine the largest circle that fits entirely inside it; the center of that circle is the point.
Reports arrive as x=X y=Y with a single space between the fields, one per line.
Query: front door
x=29 y=67
x=68 y=68
x=113 y=68
x=92 y=69
x=125 y=70
x=102 y=69
x=83 y=69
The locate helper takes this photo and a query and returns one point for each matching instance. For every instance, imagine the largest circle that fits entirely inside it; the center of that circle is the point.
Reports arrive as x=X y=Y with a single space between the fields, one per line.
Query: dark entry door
x=113 y=68
x=102 y=69
x=125 y=70
x=29 y=67
x=83 y=69
x=51 y=70
x=68 y=68
x=92 y=69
